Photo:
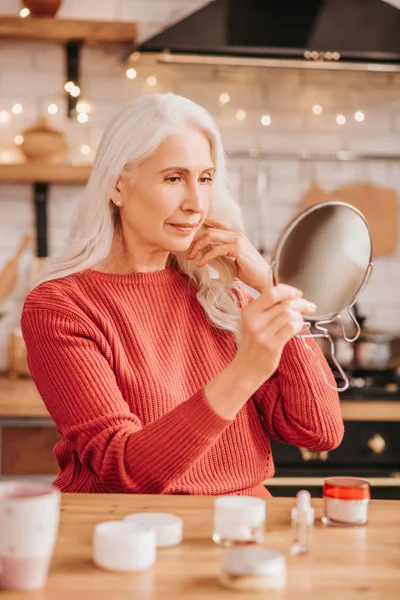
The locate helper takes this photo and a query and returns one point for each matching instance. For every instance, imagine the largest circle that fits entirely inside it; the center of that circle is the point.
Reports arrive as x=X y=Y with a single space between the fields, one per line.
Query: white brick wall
x=33 y=73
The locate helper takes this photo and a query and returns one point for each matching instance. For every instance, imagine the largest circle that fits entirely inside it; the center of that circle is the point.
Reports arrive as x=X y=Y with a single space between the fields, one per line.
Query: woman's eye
x=206 y=179
x=174 y=179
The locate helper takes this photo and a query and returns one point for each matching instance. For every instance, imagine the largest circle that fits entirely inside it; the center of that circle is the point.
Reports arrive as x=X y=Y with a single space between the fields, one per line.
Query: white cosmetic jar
x=123 y=546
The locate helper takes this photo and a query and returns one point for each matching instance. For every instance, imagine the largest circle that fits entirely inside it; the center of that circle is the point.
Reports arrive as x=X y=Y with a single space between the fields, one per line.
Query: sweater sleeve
x=70 y=366
x=297 y=406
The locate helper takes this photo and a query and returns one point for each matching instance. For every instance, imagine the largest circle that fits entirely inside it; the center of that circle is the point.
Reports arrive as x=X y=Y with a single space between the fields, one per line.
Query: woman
x=162 y=375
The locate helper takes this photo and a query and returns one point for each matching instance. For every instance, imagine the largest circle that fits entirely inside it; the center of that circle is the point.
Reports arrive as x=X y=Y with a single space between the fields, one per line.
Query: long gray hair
x=132 y=136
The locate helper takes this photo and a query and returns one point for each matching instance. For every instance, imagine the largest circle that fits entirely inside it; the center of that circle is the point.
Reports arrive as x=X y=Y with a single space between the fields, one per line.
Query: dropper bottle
x=302 y=523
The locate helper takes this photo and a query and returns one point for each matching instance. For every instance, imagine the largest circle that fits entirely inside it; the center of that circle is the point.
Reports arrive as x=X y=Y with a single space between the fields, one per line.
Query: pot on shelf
x=43 y=142
x=42 y=8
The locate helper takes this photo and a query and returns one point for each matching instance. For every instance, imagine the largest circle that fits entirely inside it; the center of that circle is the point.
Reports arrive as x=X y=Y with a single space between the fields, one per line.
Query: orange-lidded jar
x=346 y=501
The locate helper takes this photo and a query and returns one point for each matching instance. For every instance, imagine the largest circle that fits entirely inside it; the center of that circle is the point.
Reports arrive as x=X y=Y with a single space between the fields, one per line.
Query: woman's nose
x=195 y=197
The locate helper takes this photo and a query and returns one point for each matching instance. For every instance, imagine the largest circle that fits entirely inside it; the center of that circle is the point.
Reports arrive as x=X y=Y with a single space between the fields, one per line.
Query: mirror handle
x=324 y=334
x=350 y=312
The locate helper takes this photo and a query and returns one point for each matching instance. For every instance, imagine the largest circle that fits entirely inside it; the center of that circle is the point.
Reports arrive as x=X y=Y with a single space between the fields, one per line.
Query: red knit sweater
x=121 y=362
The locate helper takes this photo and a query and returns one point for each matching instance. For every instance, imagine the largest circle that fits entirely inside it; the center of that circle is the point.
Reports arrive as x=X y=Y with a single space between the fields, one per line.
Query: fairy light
x=266 y=120
x=317 y=109
x=69 y=86
x=85 y=149
x=17 y=109
x=340 y=119
x=224 y=98
x=131 y=73
x=24 y=12
x=4 y=116
x=241 y=115
x=76 y=90
x=151 y=81
x=359 y=116
x=82 y=117
x=52 y=109
x=83 y=106
x=19 y=139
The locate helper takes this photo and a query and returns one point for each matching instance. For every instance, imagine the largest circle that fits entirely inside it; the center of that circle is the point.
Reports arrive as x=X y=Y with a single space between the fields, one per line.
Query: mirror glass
x=326 y=252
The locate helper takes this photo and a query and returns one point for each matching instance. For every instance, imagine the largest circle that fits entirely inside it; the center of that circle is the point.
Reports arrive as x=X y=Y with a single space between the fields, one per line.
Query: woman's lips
x=181 y=229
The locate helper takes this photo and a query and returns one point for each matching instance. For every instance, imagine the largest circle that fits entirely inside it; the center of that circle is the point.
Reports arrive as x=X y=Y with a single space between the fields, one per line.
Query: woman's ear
x=117 y=193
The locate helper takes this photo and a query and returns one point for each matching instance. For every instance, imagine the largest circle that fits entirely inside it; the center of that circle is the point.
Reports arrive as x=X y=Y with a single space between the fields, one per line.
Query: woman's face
x=173 y=185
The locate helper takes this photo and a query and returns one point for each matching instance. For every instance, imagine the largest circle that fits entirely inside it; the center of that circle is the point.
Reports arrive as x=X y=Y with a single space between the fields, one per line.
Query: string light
x=82 y=117
x=52 y=109
x=241 y=115
x=317 y=109
x=224 y=98
x=134 y=56
x=359 y=116
x=83 y=106
x=76 y=90
x=69 y=86
x=24 y=13
x=17 y=109
x=85 y=149
x=340 y=119
x=266 y=120
x=151 y=80
x=131 y=73
x=19 y=139
x=4 y=116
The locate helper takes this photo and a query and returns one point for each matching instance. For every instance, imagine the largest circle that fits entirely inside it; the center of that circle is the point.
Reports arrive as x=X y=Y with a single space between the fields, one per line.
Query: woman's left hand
x=251 y=267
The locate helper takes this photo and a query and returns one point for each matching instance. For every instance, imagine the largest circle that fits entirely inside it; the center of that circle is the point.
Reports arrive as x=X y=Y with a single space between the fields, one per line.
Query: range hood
x=360 y=34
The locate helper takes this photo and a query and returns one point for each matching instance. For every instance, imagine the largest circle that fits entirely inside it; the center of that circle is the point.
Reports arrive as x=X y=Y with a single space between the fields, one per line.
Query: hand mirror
x=326 y=252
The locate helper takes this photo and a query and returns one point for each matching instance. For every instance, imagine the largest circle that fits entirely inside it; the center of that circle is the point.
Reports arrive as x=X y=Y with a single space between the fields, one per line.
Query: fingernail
x=312 y=305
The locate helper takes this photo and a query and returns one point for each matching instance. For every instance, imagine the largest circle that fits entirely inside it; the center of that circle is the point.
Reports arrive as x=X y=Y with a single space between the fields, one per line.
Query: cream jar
x=346 y=501
x=168 y=528
x=238 y=520
x=124 y=546
x=253 y=569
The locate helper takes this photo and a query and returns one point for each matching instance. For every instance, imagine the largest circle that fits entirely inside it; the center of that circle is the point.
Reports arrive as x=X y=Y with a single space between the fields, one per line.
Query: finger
x=283 y=319
x=274 y=294
x=206 y=238
x=214 y=253
x=288 y=332
x=215 y=223
x=277 y=316
x=304 y=306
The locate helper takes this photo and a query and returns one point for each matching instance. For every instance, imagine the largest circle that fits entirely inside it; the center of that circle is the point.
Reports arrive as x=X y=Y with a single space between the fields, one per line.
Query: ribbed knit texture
x=121 y=362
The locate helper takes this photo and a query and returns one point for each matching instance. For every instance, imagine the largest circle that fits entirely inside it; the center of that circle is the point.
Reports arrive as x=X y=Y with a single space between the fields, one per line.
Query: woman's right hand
x=267 y=324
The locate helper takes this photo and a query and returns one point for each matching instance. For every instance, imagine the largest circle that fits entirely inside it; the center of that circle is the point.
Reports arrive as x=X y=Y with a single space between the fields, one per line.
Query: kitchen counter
x=20 y=398
x=345 y=563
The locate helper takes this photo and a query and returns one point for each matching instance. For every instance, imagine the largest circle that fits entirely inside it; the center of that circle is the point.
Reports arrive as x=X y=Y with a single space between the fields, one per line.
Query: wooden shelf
x=62 y=30
x=42 y=172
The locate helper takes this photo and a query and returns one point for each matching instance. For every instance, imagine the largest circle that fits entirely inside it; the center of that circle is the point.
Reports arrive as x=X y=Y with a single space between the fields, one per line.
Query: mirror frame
x=288 y=230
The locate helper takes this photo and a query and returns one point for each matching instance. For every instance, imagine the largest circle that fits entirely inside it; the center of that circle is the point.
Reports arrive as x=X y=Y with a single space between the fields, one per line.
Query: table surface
x=19 y=398
x=344 y=563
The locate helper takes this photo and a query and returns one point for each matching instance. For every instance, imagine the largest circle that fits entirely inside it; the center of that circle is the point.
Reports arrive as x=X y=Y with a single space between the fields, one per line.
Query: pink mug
x=29 y=517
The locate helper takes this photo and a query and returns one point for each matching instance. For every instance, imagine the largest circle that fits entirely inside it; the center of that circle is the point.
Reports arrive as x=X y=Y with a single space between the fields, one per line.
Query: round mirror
x=326 y=252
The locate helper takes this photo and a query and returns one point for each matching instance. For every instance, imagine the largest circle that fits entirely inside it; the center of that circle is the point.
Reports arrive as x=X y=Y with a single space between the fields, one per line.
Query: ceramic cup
x=29 y=517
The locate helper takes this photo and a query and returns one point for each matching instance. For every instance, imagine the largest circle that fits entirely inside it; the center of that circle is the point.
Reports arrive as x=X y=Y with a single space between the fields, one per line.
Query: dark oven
x=369 y=450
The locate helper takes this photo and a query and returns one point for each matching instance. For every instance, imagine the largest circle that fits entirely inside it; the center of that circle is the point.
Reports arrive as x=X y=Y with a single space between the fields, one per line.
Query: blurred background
x=307 y=96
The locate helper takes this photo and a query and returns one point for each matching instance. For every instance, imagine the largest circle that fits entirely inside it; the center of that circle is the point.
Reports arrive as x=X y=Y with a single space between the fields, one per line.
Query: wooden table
x=344 y=564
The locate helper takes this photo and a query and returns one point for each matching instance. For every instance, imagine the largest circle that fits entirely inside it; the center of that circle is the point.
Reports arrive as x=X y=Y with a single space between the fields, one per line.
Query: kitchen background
x=287 y=131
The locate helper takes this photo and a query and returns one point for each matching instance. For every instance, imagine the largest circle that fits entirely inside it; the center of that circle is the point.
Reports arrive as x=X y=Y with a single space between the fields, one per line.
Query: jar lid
x=246 y=510
x=168 y=528
x=254 y=561
x=347 y=488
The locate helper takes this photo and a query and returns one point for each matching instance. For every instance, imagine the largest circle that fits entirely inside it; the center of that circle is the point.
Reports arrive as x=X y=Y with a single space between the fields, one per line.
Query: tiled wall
x=32 y=73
